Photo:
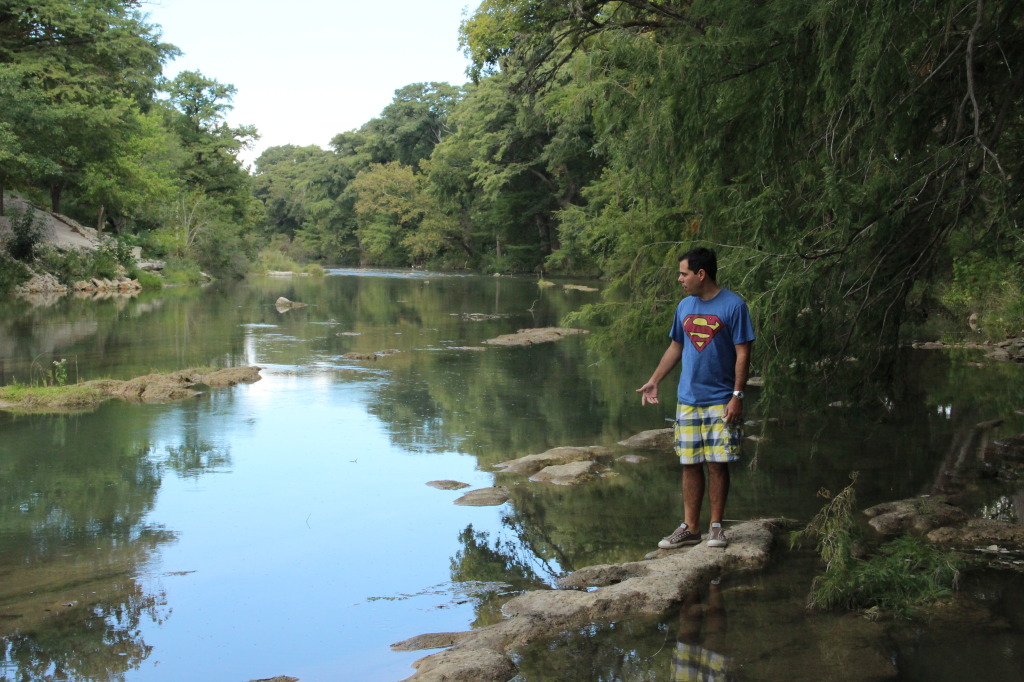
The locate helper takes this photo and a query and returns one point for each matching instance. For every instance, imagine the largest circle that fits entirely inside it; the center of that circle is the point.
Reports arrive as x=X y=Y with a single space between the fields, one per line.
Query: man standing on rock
x=712 y=335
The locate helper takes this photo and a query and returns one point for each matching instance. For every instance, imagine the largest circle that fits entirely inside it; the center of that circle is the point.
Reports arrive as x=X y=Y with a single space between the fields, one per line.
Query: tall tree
x=830 y=150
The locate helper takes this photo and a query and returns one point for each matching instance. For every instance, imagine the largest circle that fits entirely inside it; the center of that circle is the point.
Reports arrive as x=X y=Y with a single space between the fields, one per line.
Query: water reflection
x=319 y=514
x=700 y=638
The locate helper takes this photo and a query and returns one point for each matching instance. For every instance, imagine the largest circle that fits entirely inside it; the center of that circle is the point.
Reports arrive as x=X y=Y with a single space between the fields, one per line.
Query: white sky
x=307 y=70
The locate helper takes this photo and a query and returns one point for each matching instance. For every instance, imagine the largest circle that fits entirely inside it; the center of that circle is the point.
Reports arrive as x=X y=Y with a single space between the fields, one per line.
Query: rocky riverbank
x=659 y=582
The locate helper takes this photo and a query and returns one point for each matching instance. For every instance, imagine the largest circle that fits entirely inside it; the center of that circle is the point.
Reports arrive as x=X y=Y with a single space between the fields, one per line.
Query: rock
x=578 y=287
x=632 y=459
x=644 y=588
x=531 y=464
x=151 y=265
x=484 y=497
x=231 y=376
x=573 y=473
x=478 y=317
x=981 y=532
x=655 y=439
x=448 y=485
x=369 y=356
x=529 y=337
x=432 y=640
x=283 y=304
x=919 y=515
x=162 y=388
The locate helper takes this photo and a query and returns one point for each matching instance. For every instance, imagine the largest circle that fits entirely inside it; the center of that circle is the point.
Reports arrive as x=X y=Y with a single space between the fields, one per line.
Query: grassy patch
x=50 y=398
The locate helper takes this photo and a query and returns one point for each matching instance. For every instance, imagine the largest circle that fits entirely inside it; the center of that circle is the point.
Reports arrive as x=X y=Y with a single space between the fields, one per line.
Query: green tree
x=83 y=70
x=828 y=150
x=413 y=123
x=389 y=208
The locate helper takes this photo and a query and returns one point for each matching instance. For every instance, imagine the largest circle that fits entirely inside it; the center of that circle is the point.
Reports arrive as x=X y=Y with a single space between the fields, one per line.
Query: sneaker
x=716 y=537
x=681 y=537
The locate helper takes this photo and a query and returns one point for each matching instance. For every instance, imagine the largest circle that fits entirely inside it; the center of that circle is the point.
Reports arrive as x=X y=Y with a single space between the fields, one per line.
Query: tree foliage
x=829 y=151
x=84 y=121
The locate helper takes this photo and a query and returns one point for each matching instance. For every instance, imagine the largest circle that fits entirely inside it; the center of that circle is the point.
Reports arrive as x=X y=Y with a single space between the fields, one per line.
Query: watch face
x=738 y=394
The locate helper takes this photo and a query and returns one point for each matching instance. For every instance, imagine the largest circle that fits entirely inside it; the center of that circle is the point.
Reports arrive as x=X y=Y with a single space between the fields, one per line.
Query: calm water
x=285 y=528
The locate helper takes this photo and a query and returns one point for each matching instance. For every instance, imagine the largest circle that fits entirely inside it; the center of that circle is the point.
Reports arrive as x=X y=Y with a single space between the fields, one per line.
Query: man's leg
x=693 y=494
x=718 y=490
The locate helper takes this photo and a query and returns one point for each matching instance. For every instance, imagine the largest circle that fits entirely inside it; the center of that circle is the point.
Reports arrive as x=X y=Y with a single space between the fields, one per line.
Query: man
x=712 y=335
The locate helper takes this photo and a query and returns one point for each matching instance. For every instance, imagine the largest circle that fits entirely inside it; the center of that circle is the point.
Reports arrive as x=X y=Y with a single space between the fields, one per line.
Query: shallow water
x=285 y=527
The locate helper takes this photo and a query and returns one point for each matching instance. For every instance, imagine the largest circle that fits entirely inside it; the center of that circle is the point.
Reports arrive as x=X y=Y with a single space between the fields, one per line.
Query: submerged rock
x=447 y=485
x=484 y=497
x=529 y=337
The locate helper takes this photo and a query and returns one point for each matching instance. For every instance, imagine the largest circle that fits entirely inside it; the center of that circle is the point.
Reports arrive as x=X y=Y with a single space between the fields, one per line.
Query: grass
x=902 y=577
x=50 y=398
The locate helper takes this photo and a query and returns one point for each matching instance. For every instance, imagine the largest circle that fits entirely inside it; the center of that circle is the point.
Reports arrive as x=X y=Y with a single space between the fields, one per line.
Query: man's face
x=692 y=282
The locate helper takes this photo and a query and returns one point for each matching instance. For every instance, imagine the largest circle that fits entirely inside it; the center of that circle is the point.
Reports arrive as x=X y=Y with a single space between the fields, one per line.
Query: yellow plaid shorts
x=701 y=435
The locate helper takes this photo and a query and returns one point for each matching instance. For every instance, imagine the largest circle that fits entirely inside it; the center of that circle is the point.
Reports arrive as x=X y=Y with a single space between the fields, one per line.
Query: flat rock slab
x=531 y=464
x=918 y=514
x=484 y=497
x=529 y=337
x=637 y=588
x=573 y=473
x=447 y=485
x=655 y=439
x=981 y=533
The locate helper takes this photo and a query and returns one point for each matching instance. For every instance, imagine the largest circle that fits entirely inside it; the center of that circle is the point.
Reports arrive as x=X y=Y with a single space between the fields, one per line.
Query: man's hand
x=648 y=393
x=734 y=411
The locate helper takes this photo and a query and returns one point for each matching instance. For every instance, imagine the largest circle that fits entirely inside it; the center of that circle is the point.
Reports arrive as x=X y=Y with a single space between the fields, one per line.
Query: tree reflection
x=499 y=570
x=76 y=492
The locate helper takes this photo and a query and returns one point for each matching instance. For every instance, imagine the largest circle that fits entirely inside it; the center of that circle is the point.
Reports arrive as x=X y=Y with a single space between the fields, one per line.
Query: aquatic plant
x=903 y=576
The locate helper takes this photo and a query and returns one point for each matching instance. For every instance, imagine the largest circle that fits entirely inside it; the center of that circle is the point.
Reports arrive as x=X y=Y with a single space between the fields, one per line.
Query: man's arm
x=734 y=410
x=649 y=391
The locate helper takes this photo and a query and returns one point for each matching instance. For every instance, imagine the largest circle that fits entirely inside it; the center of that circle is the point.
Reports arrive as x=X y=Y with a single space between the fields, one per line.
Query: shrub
x=26 y=234
x=12 y=273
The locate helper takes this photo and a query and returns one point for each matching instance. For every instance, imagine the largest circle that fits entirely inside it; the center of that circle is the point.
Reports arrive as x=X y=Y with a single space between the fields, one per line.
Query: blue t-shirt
x=709 y=332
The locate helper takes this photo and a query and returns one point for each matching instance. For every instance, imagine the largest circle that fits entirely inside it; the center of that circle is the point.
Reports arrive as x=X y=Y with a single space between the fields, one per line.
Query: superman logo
x=701 y=329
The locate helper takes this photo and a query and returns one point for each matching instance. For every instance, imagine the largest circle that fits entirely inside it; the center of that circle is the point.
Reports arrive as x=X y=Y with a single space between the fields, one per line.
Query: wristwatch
x=738 y=394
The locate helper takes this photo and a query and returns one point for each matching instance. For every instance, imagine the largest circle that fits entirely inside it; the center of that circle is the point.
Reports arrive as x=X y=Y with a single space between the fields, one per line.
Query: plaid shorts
x=702 y=435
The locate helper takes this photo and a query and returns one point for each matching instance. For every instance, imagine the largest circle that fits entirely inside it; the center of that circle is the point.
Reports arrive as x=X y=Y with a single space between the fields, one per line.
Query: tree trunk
x=1 y=196
x=101 y=218
x=55 y=192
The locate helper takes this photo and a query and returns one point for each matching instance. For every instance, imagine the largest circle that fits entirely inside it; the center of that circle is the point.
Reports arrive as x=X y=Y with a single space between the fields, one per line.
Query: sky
x=306 y=70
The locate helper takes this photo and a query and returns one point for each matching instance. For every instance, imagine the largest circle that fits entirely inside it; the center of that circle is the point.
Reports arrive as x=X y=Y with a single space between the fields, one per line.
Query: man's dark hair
x=702 y=259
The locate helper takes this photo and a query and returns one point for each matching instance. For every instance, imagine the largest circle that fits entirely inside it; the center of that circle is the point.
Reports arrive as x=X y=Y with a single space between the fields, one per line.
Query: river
x=285 y=527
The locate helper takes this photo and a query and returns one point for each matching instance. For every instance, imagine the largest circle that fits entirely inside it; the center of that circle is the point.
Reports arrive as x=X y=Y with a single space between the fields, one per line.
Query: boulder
x=655 y=439
x=573 y=473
